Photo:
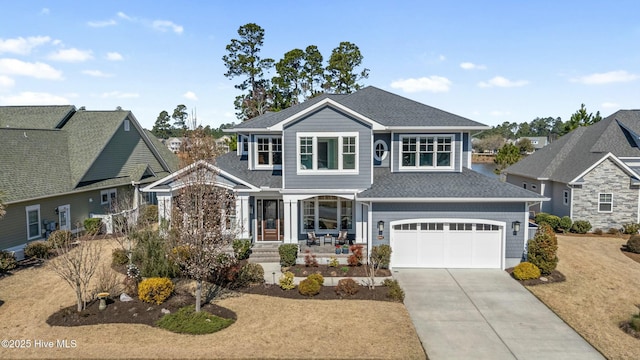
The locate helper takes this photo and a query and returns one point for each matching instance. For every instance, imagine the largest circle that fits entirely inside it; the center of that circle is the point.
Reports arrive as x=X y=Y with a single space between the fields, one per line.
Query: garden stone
x=165 y=311
x=124 y=297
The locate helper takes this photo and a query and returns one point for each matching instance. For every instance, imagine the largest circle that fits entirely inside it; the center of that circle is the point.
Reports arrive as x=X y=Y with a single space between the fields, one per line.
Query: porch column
x=242 y=216
x=290 y=219
x=164 y=206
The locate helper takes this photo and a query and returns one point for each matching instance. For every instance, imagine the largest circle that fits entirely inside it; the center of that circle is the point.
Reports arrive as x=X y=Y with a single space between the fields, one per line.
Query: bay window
x=328 y=152
x=427 y=151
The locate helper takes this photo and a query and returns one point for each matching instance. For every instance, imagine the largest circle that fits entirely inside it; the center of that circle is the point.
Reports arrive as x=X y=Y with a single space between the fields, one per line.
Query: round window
x=380 y=150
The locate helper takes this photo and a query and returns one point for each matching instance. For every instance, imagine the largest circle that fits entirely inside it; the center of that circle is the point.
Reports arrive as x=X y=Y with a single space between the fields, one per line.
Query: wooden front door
x=270 y=220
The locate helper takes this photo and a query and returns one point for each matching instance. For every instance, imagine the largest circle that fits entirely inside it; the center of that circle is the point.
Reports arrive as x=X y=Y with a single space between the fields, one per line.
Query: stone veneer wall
x=607 y=177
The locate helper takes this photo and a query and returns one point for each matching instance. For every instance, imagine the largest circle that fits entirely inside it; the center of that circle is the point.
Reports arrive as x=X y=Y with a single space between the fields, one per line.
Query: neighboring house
x=223 y=143
x=173 y=144
x=386 y=169
x=591 y=173
x=538 y=142
x=60 y=165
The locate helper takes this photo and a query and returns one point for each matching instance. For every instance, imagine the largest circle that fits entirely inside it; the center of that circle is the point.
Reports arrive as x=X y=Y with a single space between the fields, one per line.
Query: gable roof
x=566 y=158
x=35 y=117
x=372 y=104
x=37 y=162
x=443 y=186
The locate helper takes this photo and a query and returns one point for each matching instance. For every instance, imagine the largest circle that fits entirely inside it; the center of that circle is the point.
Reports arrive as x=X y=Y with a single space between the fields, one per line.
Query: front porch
x=268 y=253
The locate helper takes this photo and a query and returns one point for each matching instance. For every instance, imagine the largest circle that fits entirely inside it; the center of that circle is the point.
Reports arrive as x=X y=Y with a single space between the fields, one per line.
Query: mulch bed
x=340 y=271
x=379 y=293
x=554 y=277
x=131 y=312
x=626 y=327
x=633 y=256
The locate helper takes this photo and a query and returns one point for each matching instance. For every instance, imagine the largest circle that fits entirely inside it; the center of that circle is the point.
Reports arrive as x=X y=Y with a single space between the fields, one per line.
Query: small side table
x=328 y=238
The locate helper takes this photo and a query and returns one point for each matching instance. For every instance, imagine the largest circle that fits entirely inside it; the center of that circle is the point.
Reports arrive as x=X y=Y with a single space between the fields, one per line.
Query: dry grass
x=601 y=289
x=266 y=327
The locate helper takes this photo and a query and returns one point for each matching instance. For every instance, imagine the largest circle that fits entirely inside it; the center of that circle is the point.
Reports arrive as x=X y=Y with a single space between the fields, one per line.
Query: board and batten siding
x=503 y=212
x=121 y=156
x=457 y=147
x=326 y=120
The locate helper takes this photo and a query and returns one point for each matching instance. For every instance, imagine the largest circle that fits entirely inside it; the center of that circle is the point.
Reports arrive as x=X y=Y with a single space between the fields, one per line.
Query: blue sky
x=491 y=62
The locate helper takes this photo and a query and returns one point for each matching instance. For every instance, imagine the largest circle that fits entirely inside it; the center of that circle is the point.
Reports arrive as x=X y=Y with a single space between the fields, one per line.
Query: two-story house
x=386 y=169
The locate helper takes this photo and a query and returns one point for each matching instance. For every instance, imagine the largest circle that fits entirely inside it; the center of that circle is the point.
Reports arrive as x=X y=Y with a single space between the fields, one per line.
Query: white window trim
x=241 y=140
x=316 y=215
x=271 y=166
x=599 y=202
x=315 y=136
x=109 y=197
x=435 y=167
x=385 y=147
x=565 y=197
x=27 y=210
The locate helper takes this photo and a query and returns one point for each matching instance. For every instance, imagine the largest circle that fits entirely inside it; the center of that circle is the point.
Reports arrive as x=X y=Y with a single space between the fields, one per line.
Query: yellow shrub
x=317 y=278
x=309 y=287
x=286 y=281
x=155 y=290
x=525 y=271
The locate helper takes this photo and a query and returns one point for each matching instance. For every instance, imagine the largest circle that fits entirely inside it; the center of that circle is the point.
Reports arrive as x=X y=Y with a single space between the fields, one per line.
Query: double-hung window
x=427 y=152
x=107 y=197
x=327 y=153
x=605 y=202
x=269 y=151
x=34 y=230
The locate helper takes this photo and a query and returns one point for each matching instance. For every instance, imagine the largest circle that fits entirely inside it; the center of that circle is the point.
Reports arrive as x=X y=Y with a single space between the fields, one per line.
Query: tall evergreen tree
x=180 y=117
x=341 y=76
x=162 y=127
x=581 y=118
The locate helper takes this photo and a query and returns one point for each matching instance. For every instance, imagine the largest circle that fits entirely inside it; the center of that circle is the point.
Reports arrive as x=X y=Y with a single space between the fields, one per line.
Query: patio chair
x=312 y=239
x=342 y=237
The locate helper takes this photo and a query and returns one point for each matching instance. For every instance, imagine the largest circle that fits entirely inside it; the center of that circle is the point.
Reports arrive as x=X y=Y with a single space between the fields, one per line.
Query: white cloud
x=71 y=55
x=432 y=83
x=114 y=56
x=164 y=25
x=33 y=98
x=500 y=81
x=36 y=70
x=606 y=78
x=119 y=95
x=6 y=82
x=442 y=58
x=22 y=46
x=190 y=95
x=44 y=11
x=610 y=105
x=472 y=66
x=96 y=73
x=103 y=23
x=124 y=16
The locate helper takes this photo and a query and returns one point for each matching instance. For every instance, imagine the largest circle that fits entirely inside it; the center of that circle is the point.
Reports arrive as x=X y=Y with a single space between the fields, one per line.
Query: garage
x=447 y=243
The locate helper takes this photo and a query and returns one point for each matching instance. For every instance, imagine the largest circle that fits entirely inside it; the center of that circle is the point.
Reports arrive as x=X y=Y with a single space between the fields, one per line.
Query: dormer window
x=269 y=152
x=426 y=152
x=327 y=153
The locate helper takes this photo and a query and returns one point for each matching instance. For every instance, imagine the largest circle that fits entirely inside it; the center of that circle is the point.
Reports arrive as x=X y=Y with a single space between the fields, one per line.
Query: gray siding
x=457 y=149
x=556 y=206
x=121 y=156
x=505 y=212
x=606 y=178
x=327 y=120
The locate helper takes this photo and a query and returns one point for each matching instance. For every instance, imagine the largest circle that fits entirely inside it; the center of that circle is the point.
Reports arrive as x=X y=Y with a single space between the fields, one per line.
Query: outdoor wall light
x=380 y=227
x=516 y=227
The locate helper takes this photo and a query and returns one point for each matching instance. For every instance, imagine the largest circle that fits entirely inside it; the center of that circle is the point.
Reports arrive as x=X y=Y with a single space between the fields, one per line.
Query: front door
x=270 y=220
x=63 y=217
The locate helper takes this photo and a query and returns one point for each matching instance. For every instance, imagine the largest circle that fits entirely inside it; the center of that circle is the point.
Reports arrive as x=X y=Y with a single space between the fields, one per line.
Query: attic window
x=126 y=125
x=380 y=150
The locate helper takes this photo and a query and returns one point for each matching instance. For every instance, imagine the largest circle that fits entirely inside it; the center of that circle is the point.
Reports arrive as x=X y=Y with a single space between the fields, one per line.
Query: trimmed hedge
x=288 y=254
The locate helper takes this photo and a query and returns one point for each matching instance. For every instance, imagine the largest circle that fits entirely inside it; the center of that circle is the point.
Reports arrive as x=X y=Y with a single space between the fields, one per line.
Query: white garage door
x=446 y=245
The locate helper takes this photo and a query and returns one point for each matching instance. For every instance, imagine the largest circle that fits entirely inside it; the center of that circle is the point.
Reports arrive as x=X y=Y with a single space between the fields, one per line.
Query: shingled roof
x=569 y=156
x=35 y=117
x=381 y=106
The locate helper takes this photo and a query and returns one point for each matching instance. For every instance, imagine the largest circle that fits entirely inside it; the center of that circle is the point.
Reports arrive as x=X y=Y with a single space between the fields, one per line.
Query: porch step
x=264 y=253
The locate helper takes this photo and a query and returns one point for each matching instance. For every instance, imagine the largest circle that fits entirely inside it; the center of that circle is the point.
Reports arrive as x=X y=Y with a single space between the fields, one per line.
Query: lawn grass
x=188 y=321
x=601 y=290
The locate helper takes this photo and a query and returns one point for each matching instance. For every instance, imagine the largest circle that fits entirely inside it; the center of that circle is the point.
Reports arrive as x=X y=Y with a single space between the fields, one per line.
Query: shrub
x=526 y=271
x=7 y=261
x=187 y=321
x=37 y=249
x=598 y=231
x=333 y=262
x=355 y=259
x=107 y=281
x=381 y=256
x=310 y=259
x=630 y=228
x=286 y=281
x=565 y=224
x=633 y=244
x=613 y=231
x=93 y=226
x=288 y=254
x=241 y=248
x=551 y=220
x=155 y=290
x=317 y=277
x=119 y=257
x=395 y=292
x=151 y=255
x=149 y=215
x=542 y=249
x=347 y=286
x=59 y=239
x=309 y=287
x=581 y=227
x=249 y=274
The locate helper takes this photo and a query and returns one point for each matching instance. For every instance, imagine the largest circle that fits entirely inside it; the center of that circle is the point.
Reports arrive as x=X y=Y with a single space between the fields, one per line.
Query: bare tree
x=76 y=264
x=200 y=222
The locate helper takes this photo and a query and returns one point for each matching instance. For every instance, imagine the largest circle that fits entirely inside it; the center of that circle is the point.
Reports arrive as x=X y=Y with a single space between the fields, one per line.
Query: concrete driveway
x=484 y=314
